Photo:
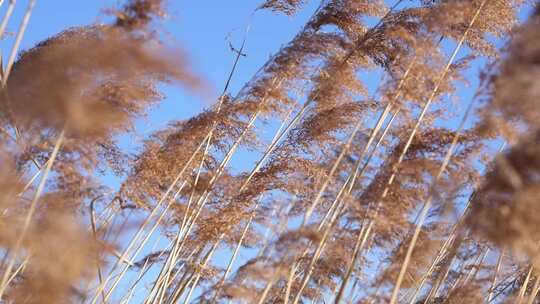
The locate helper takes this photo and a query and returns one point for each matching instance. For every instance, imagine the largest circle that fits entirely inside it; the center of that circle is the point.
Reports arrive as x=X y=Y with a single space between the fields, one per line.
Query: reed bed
x=399 y=190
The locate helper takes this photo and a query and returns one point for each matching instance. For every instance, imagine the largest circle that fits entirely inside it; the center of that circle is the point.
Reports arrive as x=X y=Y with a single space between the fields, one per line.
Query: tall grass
x=363 y=194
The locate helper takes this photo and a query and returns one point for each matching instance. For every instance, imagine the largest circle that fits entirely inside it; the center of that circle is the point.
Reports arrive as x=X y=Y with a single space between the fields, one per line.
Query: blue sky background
x=202 y=28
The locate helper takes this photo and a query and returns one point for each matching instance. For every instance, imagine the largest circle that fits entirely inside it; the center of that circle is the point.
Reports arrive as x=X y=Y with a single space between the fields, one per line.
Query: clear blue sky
x=200 y=27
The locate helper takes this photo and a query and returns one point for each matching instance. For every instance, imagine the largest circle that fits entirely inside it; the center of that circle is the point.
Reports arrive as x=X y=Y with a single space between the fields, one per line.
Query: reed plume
x=362 y=185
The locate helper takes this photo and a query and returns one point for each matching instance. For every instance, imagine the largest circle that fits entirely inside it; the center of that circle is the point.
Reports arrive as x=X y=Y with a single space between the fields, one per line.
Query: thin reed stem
x=427 y=205
x=5 y=20
x=495 y=275
x=18 y=40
